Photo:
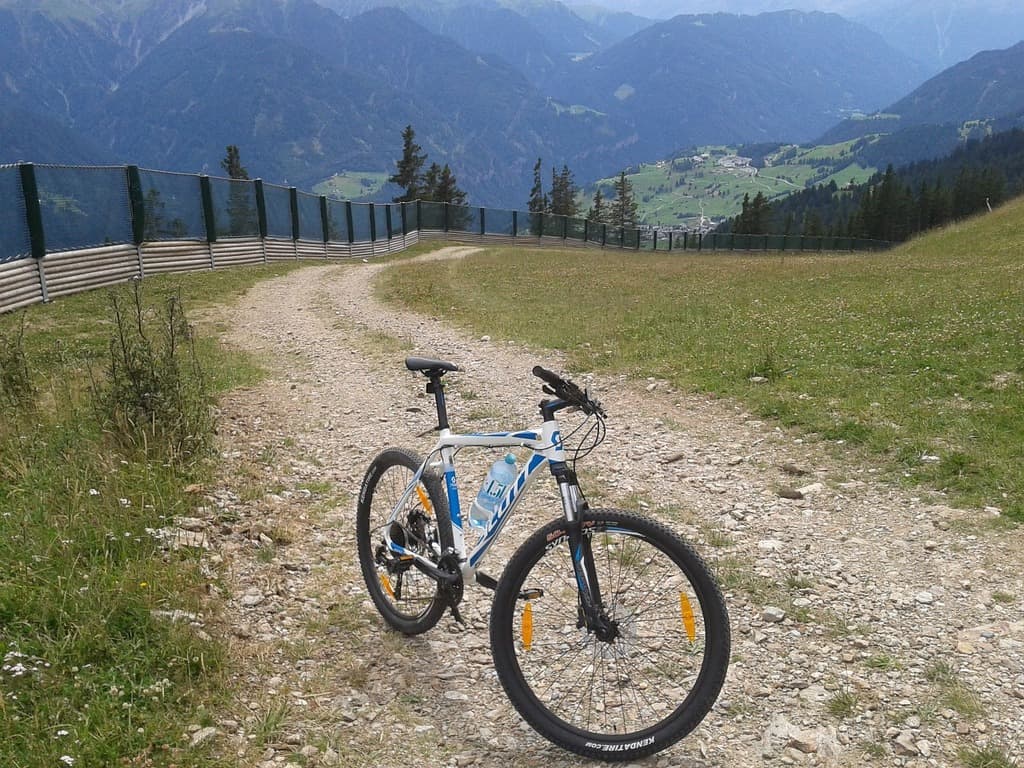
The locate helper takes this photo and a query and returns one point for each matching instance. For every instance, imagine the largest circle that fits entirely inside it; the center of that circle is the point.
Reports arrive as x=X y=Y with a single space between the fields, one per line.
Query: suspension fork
x=573 y=504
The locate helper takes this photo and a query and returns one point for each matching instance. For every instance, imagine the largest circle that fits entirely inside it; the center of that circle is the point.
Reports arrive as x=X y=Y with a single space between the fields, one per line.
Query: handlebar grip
x=550 y=377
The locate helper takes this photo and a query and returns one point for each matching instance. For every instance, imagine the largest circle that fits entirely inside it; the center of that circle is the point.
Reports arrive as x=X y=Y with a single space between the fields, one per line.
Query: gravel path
x=871 y=626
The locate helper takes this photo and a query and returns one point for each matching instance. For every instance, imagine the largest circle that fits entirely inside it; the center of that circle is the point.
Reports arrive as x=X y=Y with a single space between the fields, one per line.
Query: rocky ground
x=871 y=626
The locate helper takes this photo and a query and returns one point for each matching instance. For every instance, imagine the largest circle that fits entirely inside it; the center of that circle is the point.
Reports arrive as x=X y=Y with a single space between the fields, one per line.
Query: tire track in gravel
x=881 y=590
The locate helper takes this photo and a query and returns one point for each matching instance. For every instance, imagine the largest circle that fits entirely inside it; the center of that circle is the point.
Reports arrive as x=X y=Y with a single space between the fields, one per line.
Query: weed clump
x=154 y=397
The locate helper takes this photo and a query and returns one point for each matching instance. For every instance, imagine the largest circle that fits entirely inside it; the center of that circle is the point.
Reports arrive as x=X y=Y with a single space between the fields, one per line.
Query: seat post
x=436 y=388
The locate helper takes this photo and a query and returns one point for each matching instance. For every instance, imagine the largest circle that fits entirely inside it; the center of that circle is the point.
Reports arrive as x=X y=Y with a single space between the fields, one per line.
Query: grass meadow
x=97 y=669
x=915 y=355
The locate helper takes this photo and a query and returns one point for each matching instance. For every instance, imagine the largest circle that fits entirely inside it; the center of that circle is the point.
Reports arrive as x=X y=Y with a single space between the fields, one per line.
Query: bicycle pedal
x=531 y=594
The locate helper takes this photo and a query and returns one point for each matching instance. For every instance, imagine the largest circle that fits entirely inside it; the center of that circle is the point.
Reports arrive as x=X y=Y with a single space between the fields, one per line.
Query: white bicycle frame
x=547 y=449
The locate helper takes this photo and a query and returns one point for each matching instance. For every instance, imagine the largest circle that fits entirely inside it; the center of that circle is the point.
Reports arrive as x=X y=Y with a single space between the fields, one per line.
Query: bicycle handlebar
x=568 y=391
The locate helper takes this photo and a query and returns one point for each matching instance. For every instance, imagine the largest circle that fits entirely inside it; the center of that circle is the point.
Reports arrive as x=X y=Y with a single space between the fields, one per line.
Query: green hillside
x=672 y=192
x=352 y=185
x=914 y=355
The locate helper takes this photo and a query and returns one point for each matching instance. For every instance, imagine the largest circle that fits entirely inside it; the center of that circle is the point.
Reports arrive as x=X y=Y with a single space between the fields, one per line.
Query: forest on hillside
x=897 y=203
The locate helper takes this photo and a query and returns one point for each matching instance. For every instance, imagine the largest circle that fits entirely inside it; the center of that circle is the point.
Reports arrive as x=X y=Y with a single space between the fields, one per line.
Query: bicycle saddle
x=429 y=366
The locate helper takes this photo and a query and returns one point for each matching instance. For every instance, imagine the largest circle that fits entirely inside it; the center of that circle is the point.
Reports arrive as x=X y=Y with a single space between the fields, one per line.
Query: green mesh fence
x=554 y=226
x=310 y=222
x=397 y=219
x=361 y=232
x=432 y=216
x=234 y=208
x=576 y=229
x=14 y=238
x=498 y=222
x=278 y=203
x=172 y=206
x=412 y=219
x=83 y=207
x=337 y=221
x=463 y=218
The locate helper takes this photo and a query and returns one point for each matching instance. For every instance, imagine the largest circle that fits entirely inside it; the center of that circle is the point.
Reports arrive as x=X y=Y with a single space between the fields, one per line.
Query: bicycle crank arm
x=437 y=574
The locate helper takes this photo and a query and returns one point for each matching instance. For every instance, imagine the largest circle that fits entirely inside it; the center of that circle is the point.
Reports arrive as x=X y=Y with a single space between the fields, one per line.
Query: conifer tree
x=538 y=202
x=408 y=170
x=563 y=193
x=241 y=208
x=623 y=207
x=598 y=209
x=232 y=163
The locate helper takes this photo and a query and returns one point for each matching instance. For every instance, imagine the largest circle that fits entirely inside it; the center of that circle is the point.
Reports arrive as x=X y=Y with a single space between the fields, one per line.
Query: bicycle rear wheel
x=408 y=599
x=632 y=694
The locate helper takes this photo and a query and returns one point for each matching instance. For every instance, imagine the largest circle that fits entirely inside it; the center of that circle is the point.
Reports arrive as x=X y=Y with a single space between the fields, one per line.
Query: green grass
x=914 y=355
x=90 y=672
x=352 y=185
x=672 y=192
x=985 y=757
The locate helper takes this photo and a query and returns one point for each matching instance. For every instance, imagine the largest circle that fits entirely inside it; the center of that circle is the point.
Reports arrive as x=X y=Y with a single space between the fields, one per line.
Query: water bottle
x=502 y=472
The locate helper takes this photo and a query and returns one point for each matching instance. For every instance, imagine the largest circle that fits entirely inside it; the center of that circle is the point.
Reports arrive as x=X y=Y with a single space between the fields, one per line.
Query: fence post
x=700 y=241
x=405 y=222
x=34 y=220
x=138 y=210
x=540 y=225
x=636 y=234
x=586 y=230
x=349 y=224
x=388 y=223
x=604 y=234
x=293 y=198
x=483 y=228
x=373 y=226
x=655 y=242
x=261 y=208
x=261 y=215
x=565 y=228
x=447 y=223
x=670 y=240
x=515 y=223
x=209 y=219
x=325 y=229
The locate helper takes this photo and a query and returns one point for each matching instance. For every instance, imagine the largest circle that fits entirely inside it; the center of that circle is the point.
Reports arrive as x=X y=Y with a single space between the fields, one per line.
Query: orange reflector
x=527 y=626
x=386 y=583
x=687 y=612
x=424 y=499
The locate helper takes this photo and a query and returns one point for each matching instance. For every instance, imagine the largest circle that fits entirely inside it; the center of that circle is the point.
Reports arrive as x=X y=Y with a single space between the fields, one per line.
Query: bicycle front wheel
x=653 y=677
x=408 y=599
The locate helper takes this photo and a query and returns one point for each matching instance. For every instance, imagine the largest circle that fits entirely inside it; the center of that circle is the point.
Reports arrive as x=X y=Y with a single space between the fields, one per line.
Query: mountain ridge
x=306 y=93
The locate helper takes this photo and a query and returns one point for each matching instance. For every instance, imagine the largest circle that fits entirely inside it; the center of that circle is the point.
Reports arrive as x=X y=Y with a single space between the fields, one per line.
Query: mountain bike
x=608 y=632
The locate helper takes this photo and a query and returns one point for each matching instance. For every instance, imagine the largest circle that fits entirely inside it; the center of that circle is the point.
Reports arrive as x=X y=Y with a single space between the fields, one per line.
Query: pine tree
x=447 y=190
x=598 y=209
x=241 y=208
x=623 y=207
x=408 y=170
x=232 y=163
x=538 y=202
x=563 y=193
x=440 y=186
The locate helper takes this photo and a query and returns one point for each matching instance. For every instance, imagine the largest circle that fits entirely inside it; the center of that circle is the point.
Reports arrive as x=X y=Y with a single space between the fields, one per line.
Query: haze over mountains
x=308 y=89
x=937 y=33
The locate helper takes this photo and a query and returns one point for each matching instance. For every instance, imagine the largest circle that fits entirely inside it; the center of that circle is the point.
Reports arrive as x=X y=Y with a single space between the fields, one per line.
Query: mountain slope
x=988 y=85
x=306 y=94
x=722 y=78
